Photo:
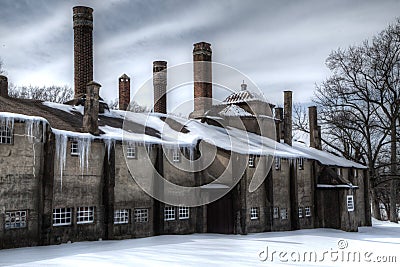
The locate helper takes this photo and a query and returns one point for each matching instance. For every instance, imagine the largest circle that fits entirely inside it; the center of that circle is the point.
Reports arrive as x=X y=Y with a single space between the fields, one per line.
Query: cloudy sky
x=279 y=45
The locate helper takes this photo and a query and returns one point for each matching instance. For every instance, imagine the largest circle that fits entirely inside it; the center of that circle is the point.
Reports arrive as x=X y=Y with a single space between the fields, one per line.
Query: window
x=183 y=212
x=169 y=213
x=5 y=135
x=254 y=214
x=300 y=162
x=176 y=155
x=85 y=215
x=307 y=211
x=284 y=214
x=276 y=213
x=62 y=216
x=350 y=203
x=300 y=212
x=131 y=152
x=74 y=148
x=15 y=219
x=121 y=216
x=141 y=215
x=277 y=163
x=252 y=163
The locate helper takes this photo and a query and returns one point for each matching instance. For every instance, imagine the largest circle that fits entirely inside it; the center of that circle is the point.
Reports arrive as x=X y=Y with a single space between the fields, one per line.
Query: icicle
x=61 y=152
x=34 y=160
x=108 y=144
x=84 y=152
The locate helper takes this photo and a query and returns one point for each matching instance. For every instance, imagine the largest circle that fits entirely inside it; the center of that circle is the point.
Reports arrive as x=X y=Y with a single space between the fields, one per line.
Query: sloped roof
x=242 y=96
x=233 y=111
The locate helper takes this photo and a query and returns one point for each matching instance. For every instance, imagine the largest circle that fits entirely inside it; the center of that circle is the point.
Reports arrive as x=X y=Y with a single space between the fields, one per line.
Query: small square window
x=74 y=148
x=176 y=155
x=307 y=211
x=169 y=213
x=350 y=203
x=254 y=213
x=277 y=163
x=15 y=219
x=300 y=162
x=131 y=152
x=141 y=215
x=276 y=213
x=85 y=215
x=284 y=214
x=62 y=216
x=183 y=213
x=121 y=216
x=252 y=163
x=300 y=212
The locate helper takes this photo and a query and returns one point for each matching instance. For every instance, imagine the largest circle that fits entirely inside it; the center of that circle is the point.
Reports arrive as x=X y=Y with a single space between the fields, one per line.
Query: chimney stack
x=160 y=86
x=202 y=73
x=279 y=123
x=312 y=120
x=83 y=48
x=3 y=86
x=91 y=112
x=287 y=109
x=124 y=91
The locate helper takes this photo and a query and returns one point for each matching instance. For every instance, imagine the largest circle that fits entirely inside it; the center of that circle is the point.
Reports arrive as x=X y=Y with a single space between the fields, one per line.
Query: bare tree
x=2 y=71
x=53 y=93
x=133 y=106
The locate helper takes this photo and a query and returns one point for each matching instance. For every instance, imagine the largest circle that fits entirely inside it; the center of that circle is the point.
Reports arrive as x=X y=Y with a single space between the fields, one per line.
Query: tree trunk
x=376 y=212
x=393 y=170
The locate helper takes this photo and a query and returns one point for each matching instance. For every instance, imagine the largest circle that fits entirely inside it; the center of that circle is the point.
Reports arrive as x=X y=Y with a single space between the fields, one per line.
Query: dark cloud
x=279 y=44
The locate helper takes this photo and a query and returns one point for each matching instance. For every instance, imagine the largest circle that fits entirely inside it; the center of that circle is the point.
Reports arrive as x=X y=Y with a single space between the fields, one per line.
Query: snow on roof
x=242 y=96
x=336 y=186
x=233 y=111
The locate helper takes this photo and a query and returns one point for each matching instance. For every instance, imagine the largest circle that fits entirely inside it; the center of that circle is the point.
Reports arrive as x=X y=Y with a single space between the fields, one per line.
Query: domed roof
x=243 y=95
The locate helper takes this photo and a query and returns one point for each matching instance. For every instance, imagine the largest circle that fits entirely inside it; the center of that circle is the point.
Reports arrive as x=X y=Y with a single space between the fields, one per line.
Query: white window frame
x=141 y=215
x=121 y=216
x=176 y=155
x=350 y=203
x=307 y=211
x=15 y=219
x=74 y=148
x=252 y=161
x=6 y=136
x=300 y=162
x=131 y=152
x=184 y=213
x=277 y=163
x=300 y=212
x=276 y=213
x=284 y=214
x=85 y=215
x=62 y=216
x=169 y=213
x=254 y=213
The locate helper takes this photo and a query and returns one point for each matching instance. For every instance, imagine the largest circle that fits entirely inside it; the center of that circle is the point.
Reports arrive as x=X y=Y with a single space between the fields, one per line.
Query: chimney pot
x=287 y=109
x=3 y=86
x=91 y=111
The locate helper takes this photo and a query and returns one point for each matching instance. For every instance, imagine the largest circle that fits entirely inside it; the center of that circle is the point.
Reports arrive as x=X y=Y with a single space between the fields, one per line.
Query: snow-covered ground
x=328 y=247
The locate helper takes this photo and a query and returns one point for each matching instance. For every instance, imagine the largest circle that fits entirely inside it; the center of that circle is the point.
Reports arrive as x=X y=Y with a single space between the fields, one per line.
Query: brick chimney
x=3 y=86
x=91 y=112
x=278 y=123
x=160 y=86
x=287 y=124
x=202 y=74
x=124 y=91
x=83 y=48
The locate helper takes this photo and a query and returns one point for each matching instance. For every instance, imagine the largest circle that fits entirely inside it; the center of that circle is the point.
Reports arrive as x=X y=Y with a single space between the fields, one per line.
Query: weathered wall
x=305 y=187
x=281 y=195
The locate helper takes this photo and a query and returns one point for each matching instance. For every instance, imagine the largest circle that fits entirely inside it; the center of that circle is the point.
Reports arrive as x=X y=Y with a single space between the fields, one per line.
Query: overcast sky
x=280 y=45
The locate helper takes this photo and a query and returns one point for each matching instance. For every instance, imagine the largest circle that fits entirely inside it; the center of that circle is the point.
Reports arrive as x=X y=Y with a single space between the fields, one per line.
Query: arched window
x=5 y=135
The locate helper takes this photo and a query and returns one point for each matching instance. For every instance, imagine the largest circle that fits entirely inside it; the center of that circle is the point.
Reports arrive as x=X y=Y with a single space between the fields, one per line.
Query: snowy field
x=371 y=246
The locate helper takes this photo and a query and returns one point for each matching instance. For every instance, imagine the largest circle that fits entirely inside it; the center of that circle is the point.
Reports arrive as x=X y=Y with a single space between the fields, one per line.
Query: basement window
x=307 y=211
x=121 y=216
x=300 y=163
x=5 y=135
x=15 y=219
x=183 y=213
x=85 y=215
x=277 y=163
x=300 y=212
x=284 y=214
x=169 y=213
x=350 y=203
x=176 y=155
x=252 y=163
x=74 y=148
x=131 y=152
x=141 y=215
x=276 y=213
x=254 y=213
x=62 y=216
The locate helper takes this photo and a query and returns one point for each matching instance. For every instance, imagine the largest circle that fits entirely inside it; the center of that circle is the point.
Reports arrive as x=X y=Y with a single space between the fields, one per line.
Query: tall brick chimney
x=202 y=74
x=160 y=86
x=278 y=123
x=91 y=111
x=3 y=86
x=83 y=48
x=124 y=91
x=287 y=109
x=315 y=130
